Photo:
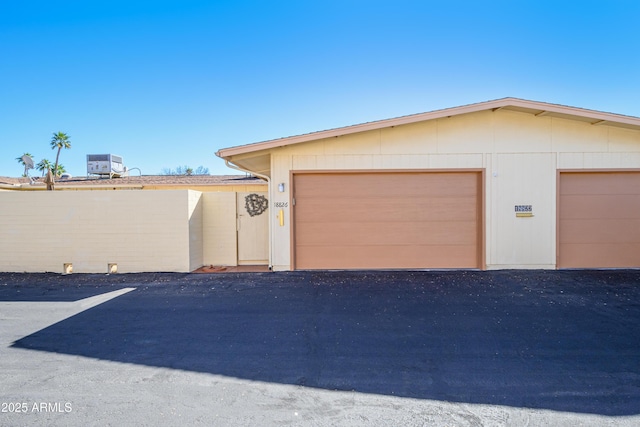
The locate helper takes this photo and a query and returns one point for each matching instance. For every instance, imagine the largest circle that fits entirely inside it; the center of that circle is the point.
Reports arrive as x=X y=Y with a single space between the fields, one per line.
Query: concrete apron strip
x=22 y=318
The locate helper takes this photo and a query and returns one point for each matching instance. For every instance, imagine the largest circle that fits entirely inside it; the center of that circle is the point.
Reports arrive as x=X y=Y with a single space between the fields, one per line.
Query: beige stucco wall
x=137 y=230
x=519 y=152
x=219 y=229
x=164 y=230
x=196 y=236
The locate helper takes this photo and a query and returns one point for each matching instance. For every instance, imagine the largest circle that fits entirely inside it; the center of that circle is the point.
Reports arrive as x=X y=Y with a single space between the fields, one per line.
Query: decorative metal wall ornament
x=255 y=204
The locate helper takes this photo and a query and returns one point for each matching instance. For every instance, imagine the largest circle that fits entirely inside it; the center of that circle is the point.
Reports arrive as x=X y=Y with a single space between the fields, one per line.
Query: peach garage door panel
x=377 y=220
x=599 y=220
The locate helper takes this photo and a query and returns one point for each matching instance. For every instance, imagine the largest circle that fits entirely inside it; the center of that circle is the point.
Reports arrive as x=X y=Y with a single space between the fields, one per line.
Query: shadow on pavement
x=558 y=340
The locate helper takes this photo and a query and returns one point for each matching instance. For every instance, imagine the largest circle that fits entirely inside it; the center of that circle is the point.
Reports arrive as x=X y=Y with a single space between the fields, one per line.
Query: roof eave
x=362 y=127
x=598 y=117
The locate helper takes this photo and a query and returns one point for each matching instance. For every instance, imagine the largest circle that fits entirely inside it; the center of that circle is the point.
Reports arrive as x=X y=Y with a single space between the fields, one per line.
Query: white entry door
x=253 y=228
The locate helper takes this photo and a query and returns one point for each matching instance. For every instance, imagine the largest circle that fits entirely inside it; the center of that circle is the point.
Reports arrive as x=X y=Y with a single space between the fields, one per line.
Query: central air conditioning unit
x=105 y=165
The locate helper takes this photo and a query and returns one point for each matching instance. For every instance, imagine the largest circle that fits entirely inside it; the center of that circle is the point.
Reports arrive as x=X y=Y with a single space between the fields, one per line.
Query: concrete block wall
x=137 y=230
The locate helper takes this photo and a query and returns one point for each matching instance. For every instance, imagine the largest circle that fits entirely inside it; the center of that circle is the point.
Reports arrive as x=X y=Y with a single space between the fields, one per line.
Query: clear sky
x=167 y=83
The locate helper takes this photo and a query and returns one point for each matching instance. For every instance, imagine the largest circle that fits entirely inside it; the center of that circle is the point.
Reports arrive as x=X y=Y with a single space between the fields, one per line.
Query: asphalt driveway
x=533 y=342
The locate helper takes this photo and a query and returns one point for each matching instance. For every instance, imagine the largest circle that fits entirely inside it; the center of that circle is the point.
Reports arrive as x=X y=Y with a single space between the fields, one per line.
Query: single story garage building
x=508 y=183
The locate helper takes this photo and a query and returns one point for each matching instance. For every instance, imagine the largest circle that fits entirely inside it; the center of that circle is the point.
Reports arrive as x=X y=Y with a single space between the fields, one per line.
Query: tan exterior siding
x=219 y=229
x=610 y=160
x=519 y=152
x=196 y=235
x=280 y=234
x=522 y=179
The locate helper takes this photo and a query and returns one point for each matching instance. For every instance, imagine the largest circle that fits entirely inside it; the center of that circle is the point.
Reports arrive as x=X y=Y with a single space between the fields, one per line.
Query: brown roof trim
x=134 y=181
x=535 y=107
x=162 y=180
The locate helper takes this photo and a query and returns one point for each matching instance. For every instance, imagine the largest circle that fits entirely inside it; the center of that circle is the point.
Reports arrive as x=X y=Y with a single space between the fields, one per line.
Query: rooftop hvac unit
x=105 y=164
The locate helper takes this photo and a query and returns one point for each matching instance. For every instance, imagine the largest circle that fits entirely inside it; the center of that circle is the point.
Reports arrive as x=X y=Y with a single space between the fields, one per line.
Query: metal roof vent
x=105 y=165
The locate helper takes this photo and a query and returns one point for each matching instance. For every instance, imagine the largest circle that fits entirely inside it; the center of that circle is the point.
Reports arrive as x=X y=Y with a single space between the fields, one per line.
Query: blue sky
x=168 y=83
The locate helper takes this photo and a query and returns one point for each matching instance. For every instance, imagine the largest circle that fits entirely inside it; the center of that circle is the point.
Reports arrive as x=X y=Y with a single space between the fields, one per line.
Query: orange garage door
x=599 y=220
x=387 y=220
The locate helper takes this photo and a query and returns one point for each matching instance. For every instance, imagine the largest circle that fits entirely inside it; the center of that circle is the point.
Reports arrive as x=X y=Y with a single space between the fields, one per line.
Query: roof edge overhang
x=534 y=107
x=43 y=187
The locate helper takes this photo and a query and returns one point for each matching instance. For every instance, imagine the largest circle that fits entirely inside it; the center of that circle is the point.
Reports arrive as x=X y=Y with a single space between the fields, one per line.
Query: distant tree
x=43 y=165
x=19 y=159
x=60 y=140
x=182 y=170
x=185 y=170
x=58 y=170
x=201 y=170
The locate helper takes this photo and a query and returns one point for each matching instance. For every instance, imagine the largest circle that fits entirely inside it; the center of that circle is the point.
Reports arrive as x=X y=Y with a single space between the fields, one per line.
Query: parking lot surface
x=464 y=348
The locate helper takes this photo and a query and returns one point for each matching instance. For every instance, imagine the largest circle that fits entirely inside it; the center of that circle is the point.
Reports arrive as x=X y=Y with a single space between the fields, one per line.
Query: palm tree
x=60 y=140
x=58 y=170
x=43 y=165
x=19 y=159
